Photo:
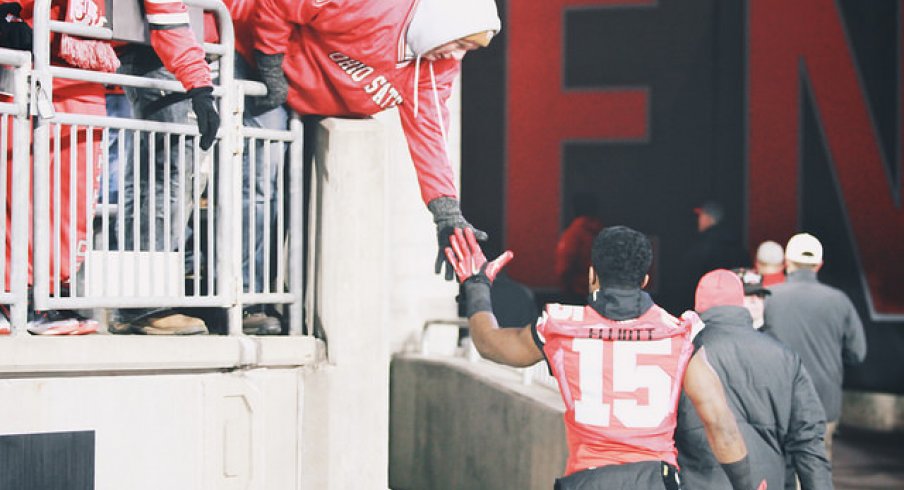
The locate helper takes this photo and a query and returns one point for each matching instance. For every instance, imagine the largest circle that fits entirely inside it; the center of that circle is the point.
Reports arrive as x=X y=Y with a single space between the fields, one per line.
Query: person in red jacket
x=573 y=249
x=355 y=58
x=180 y=52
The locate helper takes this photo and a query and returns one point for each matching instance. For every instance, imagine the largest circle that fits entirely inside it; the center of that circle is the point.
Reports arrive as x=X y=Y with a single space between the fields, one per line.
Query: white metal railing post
x=229 y=233
x=18 y=188
x=296 y=225
x=42 y=108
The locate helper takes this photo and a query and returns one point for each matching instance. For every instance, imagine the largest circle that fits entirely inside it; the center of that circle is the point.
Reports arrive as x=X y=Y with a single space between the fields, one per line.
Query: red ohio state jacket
x=350 y=58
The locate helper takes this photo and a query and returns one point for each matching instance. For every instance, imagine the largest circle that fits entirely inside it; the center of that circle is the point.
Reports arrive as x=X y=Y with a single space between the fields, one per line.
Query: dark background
x=691 y=57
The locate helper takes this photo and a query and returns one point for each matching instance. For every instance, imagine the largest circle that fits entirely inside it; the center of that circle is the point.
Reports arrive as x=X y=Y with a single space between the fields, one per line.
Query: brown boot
x=176 y=324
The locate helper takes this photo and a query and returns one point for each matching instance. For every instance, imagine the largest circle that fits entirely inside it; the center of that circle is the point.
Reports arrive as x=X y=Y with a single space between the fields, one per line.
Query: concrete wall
x=346 y=411
x=457 y=424
x=416 y=294
x=879 y=412
x=201 y=413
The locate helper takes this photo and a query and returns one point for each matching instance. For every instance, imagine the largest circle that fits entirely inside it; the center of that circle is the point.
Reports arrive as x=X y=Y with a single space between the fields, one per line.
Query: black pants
x=648 y=475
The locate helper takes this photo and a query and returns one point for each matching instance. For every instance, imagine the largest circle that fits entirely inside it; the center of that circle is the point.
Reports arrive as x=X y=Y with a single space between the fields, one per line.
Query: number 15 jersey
x=620 y=381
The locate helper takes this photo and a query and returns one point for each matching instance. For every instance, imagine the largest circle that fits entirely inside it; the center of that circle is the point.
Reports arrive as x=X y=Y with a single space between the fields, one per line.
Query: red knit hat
x=719 y=288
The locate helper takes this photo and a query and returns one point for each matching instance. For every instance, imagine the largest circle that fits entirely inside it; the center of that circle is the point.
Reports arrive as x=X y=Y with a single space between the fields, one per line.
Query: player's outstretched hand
x=468 y=260
x=762 y=485
x=447 y=217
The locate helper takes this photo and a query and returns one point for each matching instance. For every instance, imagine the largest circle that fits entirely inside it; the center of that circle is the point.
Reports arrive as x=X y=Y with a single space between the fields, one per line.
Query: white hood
x=437 y=22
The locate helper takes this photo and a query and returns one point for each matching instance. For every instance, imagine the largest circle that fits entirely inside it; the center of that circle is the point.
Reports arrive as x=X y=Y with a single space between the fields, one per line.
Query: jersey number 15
x=627 y=377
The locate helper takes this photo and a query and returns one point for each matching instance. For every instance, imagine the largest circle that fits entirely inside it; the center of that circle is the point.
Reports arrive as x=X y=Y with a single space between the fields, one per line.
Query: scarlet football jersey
x=620 y=381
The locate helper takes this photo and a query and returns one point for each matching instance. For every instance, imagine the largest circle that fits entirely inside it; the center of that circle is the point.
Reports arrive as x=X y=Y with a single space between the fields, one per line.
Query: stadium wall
x=787 y=113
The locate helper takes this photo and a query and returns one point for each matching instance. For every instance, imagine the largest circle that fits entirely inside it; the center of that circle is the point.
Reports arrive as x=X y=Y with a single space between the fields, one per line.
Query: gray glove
x=447 y=216
x=269 y=66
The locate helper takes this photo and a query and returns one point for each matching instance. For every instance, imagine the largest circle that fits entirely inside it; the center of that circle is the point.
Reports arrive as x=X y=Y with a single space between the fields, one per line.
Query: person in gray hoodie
x=768 y=389
x=818 y=322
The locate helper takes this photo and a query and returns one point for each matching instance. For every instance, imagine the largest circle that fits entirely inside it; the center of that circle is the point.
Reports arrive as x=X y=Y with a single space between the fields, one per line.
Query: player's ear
x=592 y=279
x=646 y=280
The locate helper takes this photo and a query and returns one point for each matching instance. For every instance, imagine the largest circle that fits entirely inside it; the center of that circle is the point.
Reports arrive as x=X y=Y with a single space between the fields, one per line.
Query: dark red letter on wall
x=542 y=116
x=787 y=39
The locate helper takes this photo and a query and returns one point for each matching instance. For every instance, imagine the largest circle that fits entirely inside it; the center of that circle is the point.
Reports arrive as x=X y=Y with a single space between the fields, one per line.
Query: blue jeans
x=179 y=191
x=117 y=106
x=255 y=187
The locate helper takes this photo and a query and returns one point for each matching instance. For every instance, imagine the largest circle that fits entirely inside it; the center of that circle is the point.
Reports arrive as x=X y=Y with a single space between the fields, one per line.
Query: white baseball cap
x=804 y=248
x=770 y=252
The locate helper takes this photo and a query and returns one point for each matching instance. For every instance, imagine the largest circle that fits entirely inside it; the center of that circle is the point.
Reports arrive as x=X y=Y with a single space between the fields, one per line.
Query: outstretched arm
x=511 y=346
x=703 y=388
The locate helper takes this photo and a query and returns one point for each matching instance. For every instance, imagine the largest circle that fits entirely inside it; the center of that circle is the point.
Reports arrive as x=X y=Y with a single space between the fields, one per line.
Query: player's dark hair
x=621 y=257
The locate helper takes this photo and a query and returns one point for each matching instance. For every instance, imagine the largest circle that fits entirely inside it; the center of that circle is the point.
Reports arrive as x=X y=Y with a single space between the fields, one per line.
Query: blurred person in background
x=818 y=322
x=770 y=263
x=573 y=249
x=716 y=247
x=755 y=293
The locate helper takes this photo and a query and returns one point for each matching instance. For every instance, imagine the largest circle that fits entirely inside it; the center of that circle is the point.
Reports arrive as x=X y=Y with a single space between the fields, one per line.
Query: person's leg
x=830 y=434
x=76 y=193
x=172 y=183
x=172 y=201
x=259 y=171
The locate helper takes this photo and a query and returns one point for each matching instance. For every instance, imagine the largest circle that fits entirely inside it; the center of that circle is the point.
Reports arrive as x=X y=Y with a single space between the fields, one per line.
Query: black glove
x=14 y=32
x=269 y=66
x=206 y=110
x=447 y=216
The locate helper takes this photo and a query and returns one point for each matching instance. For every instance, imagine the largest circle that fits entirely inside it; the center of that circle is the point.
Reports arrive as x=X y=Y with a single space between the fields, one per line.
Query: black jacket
x=717 y=247
x=773 y=400
x=820 y=323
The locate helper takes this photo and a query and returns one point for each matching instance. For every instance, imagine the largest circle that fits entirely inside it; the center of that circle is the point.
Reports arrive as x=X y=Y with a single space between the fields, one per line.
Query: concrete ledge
x=105 y=354
x=456 y=424
x=879 y=412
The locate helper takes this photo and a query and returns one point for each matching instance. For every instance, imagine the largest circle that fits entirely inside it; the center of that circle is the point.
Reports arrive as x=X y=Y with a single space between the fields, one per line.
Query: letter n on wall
x=542 y=115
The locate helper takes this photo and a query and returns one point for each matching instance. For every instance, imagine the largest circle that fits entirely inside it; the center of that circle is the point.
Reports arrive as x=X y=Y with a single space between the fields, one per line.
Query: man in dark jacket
x=818 y=322
x=716 y=246
x=768 y=389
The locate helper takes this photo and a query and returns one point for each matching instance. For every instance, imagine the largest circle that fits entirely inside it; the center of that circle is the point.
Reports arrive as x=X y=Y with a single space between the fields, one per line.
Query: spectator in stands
x=770 y=263
x=618 y=438
x=69 y=96
x=818 y=322
x=573 y=249
x=356 y=58
x=173 y=54
x=73 y=96
x=771 y=396
x=716 y=247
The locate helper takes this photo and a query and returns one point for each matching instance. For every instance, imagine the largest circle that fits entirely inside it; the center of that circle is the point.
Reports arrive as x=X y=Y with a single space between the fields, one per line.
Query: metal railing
x=14 y=159
x=185 y=251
